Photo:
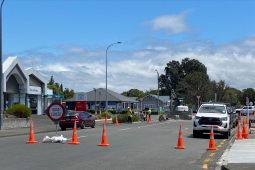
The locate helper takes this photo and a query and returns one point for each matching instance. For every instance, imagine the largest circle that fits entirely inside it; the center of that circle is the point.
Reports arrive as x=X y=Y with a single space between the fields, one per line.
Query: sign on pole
x=198 y=97
x=247 y=101
x=56 y=112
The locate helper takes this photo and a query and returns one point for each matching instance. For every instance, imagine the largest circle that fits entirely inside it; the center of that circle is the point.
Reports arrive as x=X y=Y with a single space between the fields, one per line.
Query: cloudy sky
x=68 y=39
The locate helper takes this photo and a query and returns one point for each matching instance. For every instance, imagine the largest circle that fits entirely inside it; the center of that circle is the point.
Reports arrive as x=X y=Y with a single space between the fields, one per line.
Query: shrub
x=92 y=111
x=122 y=118
x=112 y=111
x=109 y=115
x=19 y=110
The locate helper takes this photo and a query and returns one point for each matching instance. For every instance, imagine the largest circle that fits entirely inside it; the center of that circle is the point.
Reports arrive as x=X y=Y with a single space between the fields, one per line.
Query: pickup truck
x=244 y=110
x=216 y=115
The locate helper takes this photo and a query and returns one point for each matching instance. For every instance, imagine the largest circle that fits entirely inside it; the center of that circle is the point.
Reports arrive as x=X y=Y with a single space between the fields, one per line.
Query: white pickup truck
x=244 y=110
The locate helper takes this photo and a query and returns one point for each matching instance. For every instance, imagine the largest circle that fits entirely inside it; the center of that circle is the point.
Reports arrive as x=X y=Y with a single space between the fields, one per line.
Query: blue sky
x=68 y=39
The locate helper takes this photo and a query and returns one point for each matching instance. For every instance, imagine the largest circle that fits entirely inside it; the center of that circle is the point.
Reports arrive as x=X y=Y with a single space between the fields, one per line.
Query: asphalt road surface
x=132 y=146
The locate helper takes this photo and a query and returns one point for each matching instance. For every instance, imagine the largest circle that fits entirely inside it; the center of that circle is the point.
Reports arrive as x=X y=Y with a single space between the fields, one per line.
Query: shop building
x=25 y=86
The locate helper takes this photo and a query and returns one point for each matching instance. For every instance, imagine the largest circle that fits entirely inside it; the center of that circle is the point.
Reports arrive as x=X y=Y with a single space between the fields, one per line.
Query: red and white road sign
x=56 y=112
x=247 y=101
x=141 y=99
x=198 y=97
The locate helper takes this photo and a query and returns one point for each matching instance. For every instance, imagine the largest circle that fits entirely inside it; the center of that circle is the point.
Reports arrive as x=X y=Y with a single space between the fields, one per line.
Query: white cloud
x=233 y=62
x=171 y=24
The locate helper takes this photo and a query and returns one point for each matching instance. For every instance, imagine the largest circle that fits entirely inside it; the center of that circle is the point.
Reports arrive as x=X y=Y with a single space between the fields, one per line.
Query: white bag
x=46 y=139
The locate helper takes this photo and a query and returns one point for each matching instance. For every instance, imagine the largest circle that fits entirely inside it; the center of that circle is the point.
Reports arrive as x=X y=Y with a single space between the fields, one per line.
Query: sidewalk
x=241 y=155
x=42 y=124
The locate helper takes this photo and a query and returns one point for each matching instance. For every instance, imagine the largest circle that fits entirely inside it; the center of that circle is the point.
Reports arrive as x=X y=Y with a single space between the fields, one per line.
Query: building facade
x=25 y=86
x=151 y=101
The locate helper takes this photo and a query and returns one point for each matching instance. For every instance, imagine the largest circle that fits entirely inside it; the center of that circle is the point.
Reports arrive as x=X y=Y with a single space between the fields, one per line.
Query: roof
x=111 y=96
x=162 y=98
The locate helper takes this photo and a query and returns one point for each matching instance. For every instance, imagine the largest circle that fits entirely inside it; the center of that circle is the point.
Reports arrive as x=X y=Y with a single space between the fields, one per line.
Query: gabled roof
x=161 y=98
x=111 y=96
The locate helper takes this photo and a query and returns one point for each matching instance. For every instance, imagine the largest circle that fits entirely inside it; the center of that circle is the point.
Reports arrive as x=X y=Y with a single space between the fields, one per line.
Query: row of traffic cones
x=74 y=137
x=180 y=140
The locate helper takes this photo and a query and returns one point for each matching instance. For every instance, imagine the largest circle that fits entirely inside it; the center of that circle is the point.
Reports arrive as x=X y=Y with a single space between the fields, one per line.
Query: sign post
x=56 y=112
x=247 y=104
x=198 y=97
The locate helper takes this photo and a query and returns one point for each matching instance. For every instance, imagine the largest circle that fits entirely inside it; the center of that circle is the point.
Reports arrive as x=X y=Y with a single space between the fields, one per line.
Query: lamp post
x=95 y=101
x=158 y=91
x=57 y=85
x=106 y=102
x=1 y=69
x=100 y=102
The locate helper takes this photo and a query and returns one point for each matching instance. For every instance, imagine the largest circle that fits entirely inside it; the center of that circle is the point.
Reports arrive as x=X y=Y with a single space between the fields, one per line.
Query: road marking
x=154 y=124
x=224 y=140
x=124 y=129
x=149 y=125
x=219 y=146
x=212 y=154
x=222 y=143
x=77 y=137
x=207 y=160
x=205 y=166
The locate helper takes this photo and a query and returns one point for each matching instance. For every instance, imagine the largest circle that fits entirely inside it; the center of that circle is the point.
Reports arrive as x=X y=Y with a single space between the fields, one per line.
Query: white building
x=25 y=86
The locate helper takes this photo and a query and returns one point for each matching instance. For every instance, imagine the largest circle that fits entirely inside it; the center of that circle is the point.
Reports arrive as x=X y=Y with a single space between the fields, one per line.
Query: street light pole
x=95 y=101
x=1 y=69
x=106 y=102
x=158 y=91
x=100 y=102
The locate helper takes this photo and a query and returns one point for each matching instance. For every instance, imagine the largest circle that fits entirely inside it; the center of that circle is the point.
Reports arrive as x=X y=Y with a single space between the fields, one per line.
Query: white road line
x=77 y=137
x=124 y=129
x=142 y=126
x=149 y=125
x=154 y=124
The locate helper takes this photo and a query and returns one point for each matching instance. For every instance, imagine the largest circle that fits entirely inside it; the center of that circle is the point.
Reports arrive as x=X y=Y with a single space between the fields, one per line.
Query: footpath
x=241 y=155
x=42 y=124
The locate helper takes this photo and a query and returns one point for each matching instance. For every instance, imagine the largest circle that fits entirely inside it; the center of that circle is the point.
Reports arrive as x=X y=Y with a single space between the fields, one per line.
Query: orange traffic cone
x=117 y=123
x=254 y=114
x=149 y=121
x=104 y=138
x=245 y=135
x=212 y=144
x=105 y=118
x=180 y=140
x=74 y=138
x=31 y=135
x=239 y=133
x=75 y=108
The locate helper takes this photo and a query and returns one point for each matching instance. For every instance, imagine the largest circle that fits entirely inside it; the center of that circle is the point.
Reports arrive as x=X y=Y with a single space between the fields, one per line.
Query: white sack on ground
x=54 y=139
x=46 y=139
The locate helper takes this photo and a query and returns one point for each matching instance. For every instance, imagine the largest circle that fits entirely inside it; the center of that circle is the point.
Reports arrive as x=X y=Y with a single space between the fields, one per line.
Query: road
x=132 y=146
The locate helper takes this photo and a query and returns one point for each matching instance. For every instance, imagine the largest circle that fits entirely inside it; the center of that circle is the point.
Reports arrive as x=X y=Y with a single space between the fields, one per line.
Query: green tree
x=68 y=93
x=61 y=87
x=250 y=93
x=51 y=82
x=193 y=85
x=232 y=96
x=176 y=72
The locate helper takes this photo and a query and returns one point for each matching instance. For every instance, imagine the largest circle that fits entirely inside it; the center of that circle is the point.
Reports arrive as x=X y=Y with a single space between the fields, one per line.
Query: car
x=244 y=110
x=212 y=114
x=82 y=120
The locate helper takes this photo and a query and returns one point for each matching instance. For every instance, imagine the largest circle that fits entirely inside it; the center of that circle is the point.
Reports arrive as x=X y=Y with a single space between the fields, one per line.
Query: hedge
x=122 y=118
x=92 y=111
x=20 y=111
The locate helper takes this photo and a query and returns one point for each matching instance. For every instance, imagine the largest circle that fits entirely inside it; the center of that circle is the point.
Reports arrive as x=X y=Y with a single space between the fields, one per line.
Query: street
x=132 y=146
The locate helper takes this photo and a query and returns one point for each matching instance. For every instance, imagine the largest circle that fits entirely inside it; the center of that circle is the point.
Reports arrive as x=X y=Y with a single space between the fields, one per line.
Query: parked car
x=82 y=120
x=244 y=110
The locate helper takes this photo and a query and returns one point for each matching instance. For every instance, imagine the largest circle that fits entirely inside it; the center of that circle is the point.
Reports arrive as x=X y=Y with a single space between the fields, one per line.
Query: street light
x=100 y=102
x=1 y=69
x=158 y=91
x=106 y=102
x=95 y=101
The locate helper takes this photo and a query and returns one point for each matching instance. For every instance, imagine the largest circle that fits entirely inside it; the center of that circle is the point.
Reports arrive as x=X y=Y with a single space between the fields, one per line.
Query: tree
x=131 y=93
x=68 y=93
x=51 y=82
x=232 y=96
x=250 y=93
x=176 y=72
x=193 y=85
x=61 y=87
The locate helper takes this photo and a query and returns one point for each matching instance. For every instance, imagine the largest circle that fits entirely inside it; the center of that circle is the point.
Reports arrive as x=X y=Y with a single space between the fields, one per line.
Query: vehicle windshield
x=72 y=114
x=247 y=108
x=212 y=109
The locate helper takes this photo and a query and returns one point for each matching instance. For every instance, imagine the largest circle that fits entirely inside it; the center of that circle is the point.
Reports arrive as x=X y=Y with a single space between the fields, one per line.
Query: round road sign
x=56 y=112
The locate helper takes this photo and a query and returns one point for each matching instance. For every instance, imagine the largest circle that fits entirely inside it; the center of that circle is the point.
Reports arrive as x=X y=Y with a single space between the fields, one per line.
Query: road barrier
x=104 y=137
x=211 y=143
x=117 y=123
x=74 y=138
x=31 y=134
x=180 y=140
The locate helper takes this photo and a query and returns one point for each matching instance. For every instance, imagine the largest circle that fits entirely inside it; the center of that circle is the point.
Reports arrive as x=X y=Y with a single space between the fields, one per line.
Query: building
x=151 y=101
x=26 y=86
x=115 y=100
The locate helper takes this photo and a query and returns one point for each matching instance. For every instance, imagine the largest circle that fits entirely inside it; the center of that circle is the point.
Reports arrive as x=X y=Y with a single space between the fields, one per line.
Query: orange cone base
x=103 y=144
x=245 y=136
x=212 y=149
x=180 y=147
x=239 y=138
x=75 y=143
x=31 y=142
x=116 y=124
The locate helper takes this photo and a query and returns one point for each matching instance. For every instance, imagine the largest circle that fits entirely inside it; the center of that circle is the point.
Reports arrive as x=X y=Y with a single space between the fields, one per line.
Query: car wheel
x=195 y=133
x=83 y=125
x=94 y=124
x=63 y=128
